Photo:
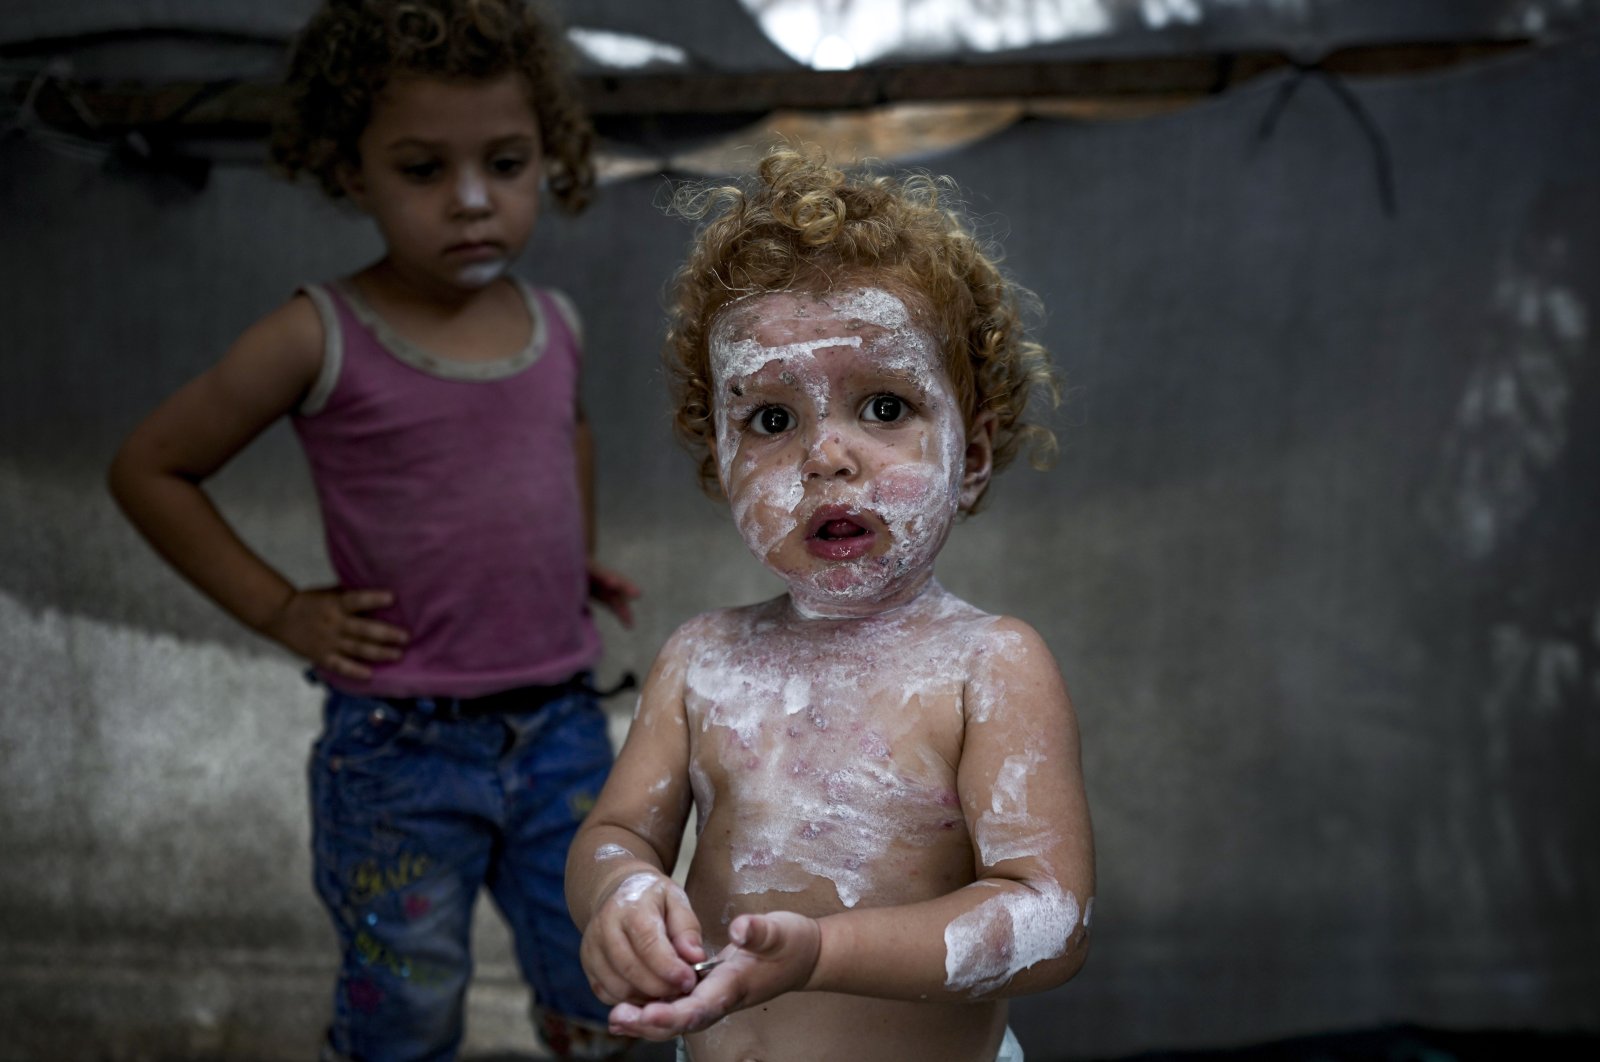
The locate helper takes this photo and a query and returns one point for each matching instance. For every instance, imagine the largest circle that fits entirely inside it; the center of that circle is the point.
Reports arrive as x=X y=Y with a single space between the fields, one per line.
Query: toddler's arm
x=639 y=932
x=1018 y=928
x=157 y=475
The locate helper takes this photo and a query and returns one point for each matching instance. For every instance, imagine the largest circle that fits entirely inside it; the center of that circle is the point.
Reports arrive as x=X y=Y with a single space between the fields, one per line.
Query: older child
x=436 y=398
x=892 y=830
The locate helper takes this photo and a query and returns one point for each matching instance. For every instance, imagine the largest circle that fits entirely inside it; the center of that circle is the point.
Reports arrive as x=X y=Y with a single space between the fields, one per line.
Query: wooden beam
x=716 y=93
x=244 y=109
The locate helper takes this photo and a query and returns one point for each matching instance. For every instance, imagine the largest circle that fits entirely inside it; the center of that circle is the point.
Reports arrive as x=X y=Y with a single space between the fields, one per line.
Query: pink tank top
x=454 y=485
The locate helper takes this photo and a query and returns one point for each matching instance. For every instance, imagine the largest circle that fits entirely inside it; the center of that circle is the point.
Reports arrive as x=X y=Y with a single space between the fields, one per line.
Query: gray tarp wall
x=1319 y=562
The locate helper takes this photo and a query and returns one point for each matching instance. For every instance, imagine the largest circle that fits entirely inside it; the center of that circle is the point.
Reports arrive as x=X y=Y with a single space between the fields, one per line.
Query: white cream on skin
x=472 y=194
x=634 y=886
x=817 y=730
x=1006 y=830
x=472 y=191
x=813 y=355
x=482 y=273
x=998 y=939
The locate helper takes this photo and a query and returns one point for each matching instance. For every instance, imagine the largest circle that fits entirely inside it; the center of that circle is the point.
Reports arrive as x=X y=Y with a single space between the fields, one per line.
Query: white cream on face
x=472 y=191
x=482 y=273
x=472 y=194
x=808 y=353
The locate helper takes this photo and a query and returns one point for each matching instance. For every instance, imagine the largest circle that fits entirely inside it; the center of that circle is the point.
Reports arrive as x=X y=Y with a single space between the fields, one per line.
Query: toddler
x=892 y=834
x=436 y=397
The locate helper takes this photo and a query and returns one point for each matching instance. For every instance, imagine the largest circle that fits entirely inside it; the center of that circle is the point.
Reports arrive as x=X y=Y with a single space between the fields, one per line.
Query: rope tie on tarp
x=1382 y=161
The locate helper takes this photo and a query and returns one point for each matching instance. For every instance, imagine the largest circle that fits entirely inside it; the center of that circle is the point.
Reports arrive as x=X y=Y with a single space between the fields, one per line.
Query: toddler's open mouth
x=835 y=532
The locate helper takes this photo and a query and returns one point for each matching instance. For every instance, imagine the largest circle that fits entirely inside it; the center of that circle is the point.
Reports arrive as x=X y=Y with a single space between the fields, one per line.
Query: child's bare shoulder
x=282 y=351
x=722 y=627
x=1011 y=670
x=984 y=635
x=293 y=326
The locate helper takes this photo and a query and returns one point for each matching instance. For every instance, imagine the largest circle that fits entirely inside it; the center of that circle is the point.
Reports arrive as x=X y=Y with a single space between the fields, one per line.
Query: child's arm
x=1017 y=929
x=156 y=479
x=639 y=932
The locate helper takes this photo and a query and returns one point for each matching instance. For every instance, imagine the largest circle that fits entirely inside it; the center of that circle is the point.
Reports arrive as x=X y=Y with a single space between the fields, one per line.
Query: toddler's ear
x=979 y=459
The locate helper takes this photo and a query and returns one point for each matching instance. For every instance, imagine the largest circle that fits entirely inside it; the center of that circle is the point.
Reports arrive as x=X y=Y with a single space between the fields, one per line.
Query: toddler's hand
x=614 y=591
x=770 y=954
x=641 y=940
x=326 y=627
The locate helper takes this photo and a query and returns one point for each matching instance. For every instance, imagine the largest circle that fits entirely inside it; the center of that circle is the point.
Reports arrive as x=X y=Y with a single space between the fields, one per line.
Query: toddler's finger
x=661 y=1021
x=684 y=929
x=608 y=986
x=622 y=1020
x=755 y=933
x=669 y=974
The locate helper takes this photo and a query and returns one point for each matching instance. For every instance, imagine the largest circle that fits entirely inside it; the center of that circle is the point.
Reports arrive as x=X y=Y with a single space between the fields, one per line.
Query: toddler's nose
x=830 y=455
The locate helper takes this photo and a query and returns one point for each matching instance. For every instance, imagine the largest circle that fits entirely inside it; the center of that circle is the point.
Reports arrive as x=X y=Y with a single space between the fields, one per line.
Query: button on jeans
x=413 y=812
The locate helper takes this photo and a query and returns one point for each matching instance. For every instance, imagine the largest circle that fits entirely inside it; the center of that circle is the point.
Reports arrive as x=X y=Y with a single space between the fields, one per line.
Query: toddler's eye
x=420 y=171
x=771 y=420
x=508 y=166
x=884 y=409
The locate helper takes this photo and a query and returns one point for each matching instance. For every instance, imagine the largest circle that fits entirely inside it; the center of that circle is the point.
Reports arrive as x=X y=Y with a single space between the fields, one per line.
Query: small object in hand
x=703 y=968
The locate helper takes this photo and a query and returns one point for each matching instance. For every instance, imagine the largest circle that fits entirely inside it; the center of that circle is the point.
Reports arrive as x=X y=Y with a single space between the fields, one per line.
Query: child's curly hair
x=805 y=225
x=351 y=49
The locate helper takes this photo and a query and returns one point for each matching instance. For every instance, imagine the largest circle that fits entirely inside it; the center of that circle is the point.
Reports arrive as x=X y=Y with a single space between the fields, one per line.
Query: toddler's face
x=840 y=444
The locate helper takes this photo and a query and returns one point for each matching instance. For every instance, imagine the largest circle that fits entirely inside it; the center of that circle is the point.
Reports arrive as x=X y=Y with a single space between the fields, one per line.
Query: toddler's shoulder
x=1006 y=634
x=724 y=626
x=1012 y=673
x=985 y=633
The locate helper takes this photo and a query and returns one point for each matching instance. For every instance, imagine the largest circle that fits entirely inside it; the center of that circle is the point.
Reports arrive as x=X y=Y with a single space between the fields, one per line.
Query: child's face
x=840 y=444
x=450 y=171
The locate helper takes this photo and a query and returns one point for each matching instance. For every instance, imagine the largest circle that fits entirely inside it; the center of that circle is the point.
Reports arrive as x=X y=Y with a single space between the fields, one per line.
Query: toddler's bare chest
x=863 y=705
x=835 y=747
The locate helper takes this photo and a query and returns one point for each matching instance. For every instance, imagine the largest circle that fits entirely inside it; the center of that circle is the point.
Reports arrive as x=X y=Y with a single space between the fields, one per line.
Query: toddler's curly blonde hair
x=805 y=225
x=351 y=49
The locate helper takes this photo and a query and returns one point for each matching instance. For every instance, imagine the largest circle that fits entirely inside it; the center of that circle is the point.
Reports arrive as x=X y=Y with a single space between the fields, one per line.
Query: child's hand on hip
x=613 y=590
x=770 y=954
x=641 y=941
x=327 y=627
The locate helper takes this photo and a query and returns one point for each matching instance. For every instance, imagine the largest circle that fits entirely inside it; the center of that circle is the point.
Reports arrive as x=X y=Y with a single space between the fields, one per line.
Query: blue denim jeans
x=413 y=811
